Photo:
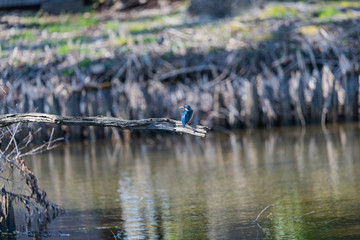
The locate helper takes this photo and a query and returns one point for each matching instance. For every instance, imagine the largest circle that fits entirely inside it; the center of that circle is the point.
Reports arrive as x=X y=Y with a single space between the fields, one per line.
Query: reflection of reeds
x=289 y=80
x=228 y=177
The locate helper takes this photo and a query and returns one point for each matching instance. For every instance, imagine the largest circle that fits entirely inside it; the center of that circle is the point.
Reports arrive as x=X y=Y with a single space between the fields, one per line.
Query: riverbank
x=286 y=64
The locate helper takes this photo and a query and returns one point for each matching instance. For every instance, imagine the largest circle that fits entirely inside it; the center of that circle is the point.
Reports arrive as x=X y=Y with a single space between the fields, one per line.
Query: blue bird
x=188 y=112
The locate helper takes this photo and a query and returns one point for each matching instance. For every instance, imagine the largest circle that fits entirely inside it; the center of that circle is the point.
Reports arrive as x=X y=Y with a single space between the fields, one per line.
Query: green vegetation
x=63 y=23
x=149 y=39
x=68 y=48
x=162 y=18
x=328 y=12
x=347 y=4
x=135 y=28
x=65 y=49
x=27 y=35
x=70 y=23
x=112 y=25
x=86 y=20
x=68 y=72
x=3 y=53
x=89 y=34
x=121 y=41
x=279 y=11
x=59 y=27
x=85 y=63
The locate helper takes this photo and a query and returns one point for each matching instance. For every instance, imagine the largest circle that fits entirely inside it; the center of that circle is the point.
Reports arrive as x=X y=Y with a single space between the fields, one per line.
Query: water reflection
x=187 y=188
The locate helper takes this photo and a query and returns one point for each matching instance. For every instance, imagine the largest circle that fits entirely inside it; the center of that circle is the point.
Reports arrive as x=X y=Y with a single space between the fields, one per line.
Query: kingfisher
x=188 y=112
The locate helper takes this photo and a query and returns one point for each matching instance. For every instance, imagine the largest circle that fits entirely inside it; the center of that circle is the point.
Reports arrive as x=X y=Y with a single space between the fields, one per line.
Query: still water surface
x=183 y=187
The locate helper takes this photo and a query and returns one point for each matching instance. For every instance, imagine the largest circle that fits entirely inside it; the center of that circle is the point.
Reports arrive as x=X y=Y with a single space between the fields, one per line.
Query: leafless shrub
x=25 y=191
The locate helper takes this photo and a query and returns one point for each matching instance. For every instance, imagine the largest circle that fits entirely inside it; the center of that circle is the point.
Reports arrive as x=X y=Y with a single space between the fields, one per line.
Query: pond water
x=182 y=187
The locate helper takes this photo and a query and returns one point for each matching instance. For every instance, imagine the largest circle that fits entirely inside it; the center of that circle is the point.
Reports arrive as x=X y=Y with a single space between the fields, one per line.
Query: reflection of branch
x=262 y=211
x=21 y=197
x=257 y=230
x=13 y=181
x=165 y=124
x=303 y=215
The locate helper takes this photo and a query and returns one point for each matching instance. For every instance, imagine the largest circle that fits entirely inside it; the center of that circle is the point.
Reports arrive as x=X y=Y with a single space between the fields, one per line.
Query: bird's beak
x=181 y=107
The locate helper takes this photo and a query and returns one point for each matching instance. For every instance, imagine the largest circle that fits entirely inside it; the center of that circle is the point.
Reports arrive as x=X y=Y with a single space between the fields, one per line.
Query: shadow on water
x=189 y=188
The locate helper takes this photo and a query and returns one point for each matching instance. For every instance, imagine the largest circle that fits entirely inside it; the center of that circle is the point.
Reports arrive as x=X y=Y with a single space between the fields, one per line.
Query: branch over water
x=164 y=124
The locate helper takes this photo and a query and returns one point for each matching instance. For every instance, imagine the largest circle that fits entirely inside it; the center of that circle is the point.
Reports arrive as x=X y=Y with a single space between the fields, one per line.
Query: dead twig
x=262 y=211
x=294 y=218
x=35 y=202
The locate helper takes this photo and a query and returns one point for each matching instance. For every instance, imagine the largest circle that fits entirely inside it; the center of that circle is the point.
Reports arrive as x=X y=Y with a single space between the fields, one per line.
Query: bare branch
x=12 y=137
x=42 y=148
x=262 y=211
x=164 y=124
x=312 y=212
x=51 y=136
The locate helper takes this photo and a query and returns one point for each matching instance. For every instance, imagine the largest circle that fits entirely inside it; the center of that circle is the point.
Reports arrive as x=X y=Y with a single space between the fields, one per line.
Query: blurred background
x=237 y=63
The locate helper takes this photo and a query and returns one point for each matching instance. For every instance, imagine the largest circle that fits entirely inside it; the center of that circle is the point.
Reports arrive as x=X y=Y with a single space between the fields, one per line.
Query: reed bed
x=298 y=74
